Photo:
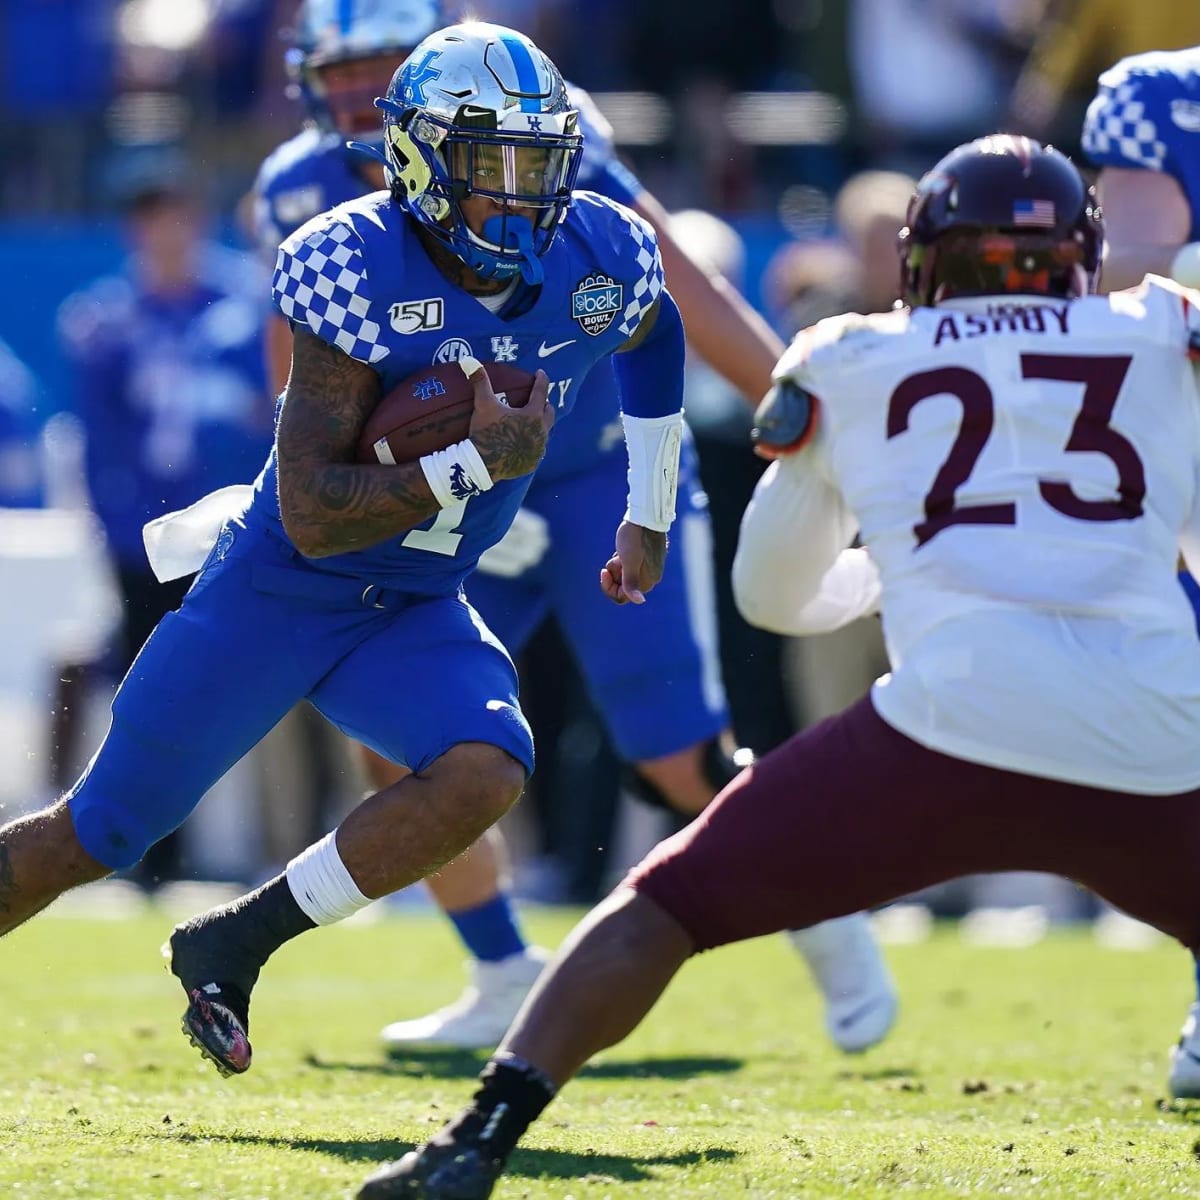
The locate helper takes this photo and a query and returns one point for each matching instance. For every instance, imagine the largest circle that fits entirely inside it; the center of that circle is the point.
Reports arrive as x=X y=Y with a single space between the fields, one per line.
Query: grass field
x=1033 y=1072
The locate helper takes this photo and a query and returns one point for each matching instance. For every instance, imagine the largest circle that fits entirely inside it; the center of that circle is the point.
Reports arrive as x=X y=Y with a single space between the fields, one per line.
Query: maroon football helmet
x=1002 y=214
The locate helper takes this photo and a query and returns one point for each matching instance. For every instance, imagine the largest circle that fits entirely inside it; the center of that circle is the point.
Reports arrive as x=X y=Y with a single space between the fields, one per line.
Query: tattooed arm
x=329 y=503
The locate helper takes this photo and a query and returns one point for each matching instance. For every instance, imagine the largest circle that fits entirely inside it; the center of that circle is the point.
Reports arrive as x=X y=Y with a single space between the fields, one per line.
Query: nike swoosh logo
x=545 y=351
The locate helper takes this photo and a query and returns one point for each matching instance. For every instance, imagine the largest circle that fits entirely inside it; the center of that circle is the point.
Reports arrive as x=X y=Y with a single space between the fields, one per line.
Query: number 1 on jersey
x=1101 y=376
x=442 y=537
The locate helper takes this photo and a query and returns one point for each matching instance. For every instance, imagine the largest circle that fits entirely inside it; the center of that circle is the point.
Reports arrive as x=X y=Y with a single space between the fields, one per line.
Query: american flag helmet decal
x=1038 y=214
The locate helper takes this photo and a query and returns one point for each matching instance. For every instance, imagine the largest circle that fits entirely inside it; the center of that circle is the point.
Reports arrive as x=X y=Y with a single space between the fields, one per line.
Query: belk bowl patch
x=596 y=303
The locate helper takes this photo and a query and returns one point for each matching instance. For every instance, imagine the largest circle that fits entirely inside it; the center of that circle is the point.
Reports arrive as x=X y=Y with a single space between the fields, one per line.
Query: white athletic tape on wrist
x=653 y=444
x=456 y=473
x=322 y=886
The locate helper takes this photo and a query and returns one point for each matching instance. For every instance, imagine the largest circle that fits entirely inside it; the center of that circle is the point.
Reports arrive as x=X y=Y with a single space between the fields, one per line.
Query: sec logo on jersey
x=452 y=349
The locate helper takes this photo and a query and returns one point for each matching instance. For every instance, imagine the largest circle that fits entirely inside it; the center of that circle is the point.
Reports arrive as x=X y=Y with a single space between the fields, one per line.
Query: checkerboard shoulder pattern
x=321 y=281
x=650 y=277
x=1118 y=128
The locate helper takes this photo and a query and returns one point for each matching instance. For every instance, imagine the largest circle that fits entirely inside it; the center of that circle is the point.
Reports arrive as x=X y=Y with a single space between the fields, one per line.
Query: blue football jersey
x=307 y=175
x=315 y=171
x=600 y=170
x=359 y=278
x=1147 y=114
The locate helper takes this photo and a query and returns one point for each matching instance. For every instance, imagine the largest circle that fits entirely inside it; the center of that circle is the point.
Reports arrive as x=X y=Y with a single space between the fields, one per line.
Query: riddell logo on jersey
x=596 y=302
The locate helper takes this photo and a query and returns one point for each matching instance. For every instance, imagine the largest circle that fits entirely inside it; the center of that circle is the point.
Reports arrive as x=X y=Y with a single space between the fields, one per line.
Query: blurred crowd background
x=784 y=133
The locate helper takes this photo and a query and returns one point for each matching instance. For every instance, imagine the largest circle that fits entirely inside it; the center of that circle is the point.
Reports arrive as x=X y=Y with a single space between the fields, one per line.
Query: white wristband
x=456 y=473
x=653 y=444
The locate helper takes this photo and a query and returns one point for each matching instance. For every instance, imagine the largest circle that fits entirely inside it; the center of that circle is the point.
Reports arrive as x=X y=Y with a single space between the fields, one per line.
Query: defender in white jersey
x=1020 y=460
x=1022 y=470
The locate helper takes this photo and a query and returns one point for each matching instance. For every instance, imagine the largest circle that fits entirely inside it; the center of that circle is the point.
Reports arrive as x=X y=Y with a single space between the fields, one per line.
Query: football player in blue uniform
x=342 y=583
x=656 y=679
x=1142 y=130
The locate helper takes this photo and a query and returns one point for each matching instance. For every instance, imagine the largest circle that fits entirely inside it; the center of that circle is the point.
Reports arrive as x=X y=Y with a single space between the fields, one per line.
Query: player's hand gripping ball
x=432 y=409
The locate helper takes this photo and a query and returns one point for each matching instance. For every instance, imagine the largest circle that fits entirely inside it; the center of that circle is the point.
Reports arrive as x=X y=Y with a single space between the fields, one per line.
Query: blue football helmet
x=479 y=110
x=332 y=32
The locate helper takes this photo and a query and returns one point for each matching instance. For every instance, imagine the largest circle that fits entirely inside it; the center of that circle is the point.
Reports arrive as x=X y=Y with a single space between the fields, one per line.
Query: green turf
x=1035 y=1072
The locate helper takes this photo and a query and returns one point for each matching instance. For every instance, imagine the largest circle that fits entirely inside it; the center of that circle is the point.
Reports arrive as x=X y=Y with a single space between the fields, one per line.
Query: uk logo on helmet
x=596 y=302
x=419 y=75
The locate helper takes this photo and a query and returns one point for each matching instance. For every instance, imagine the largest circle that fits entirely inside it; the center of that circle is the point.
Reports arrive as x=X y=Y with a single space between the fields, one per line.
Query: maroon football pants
x=851 y=814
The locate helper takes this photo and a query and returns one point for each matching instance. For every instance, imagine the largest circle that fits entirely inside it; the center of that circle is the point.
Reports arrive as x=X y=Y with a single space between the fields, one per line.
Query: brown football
x=431 y=410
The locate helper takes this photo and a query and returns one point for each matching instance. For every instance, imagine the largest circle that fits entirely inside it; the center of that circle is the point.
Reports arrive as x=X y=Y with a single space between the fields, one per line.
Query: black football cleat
x=447 y=1170
x=217 y=1018
x=214 y=1027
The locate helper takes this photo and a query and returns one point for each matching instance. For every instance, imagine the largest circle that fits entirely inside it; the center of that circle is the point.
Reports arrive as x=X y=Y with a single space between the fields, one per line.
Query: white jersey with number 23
x=1022 y=473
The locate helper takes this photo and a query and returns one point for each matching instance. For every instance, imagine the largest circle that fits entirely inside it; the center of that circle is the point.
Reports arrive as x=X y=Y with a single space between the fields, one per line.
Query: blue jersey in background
x=1146 y=115
x=171 y=392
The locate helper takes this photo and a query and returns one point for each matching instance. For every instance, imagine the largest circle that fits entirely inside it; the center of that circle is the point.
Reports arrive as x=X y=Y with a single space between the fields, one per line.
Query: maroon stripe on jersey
x=851 y=814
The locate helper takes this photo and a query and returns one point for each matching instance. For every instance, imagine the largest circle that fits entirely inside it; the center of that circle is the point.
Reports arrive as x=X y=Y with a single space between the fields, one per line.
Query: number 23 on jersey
x=1101 y=378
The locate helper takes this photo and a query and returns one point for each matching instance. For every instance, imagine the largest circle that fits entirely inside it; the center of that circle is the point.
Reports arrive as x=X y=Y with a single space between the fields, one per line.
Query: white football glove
x=522 y=547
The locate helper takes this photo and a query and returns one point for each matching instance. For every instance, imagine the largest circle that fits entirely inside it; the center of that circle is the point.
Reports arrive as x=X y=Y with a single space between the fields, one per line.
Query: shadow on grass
x=662 y=1068
x=533 y=1164
x=879 y=1076
x=556 y=1164
x=349 y=1150
x=1187 y=1111
x=440 y=1064
x=463 y=1064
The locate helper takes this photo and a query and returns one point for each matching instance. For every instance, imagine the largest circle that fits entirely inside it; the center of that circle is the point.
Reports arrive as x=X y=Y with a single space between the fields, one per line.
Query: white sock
x=322 y=886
